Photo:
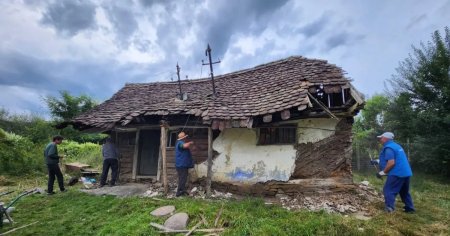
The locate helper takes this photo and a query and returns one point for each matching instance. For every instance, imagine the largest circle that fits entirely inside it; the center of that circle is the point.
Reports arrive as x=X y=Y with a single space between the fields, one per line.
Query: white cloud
x=367 y=39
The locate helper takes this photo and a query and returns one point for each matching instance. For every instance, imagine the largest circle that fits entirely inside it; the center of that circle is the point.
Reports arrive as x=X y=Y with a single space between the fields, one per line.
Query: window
x=277 y=135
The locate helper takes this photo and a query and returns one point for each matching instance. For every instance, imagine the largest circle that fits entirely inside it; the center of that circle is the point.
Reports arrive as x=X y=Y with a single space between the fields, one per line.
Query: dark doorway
x=149 y=141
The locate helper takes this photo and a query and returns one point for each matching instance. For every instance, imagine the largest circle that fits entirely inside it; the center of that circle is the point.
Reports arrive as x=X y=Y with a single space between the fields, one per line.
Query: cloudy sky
x=94 y=47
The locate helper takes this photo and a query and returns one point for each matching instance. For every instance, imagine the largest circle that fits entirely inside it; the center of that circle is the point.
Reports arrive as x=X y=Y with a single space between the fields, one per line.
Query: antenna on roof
x=208 y=53
x=179 y=82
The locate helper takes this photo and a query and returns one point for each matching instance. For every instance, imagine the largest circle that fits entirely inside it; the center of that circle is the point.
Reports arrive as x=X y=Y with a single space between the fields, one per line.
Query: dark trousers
x=114 y=165
x=182 y=178
x=53 y=170
x=396 y=185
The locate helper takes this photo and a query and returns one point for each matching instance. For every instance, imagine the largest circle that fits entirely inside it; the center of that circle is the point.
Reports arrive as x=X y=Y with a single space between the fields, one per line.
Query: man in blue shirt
x=183 y=162
x=394 y=163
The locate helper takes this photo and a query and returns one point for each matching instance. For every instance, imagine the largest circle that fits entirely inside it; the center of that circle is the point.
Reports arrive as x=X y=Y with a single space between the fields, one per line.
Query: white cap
x=388 y=135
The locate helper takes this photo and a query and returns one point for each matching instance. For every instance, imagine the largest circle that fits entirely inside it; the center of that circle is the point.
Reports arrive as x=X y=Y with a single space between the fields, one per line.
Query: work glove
x=375 y=162
x=380 y=174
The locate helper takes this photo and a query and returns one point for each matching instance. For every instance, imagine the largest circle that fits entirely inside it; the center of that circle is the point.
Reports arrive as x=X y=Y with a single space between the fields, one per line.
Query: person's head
x=108 y=140
x=386 y=136
x=182 y=135
x=58 y=139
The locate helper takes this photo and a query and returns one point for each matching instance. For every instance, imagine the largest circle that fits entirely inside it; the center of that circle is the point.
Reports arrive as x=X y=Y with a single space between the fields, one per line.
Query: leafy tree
x=369 y=124
x=68 y=106
x=421 y=106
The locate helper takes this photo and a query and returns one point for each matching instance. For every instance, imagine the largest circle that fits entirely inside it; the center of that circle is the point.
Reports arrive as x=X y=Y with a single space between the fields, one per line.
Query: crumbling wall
x=328 y=157
x=241 y=160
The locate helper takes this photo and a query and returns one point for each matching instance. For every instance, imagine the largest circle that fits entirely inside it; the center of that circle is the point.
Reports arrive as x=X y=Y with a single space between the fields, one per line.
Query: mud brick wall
x=330 y=157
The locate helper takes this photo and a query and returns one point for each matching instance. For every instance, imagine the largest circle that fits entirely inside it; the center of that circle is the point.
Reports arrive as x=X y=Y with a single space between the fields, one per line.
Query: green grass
x=76 y=213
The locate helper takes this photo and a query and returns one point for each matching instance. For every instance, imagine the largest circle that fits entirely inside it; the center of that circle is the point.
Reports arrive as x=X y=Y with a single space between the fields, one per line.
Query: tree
x=369 y=124
x=421 y=102
x=68 y=106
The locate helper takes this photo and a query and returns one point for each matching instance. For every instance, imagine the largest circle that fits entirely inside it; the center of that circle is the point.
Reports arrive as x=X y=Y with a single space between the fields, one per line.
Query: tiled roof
x=241 y=95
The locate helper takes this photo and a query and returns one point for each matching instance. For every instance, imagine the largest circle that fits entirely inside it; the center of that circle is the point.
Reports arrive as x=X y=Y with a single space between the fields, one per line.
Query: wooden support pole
x=210 y=154
x=135 y=155
x=163 y=155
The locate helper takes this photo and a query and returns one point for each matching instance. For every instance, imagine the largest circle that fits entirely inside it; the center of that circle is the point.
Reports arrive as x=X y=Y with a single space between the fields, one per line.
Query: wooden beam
x=322 y=106
x=285 y=115
x=267 y=118
x=210 y=154
x=163 y=155
x=135 y=155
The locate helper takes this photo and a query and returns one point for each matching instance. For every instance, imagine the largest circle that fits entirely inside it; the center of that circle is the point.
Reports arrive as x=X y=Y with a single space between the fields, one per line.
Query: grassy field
x=76 y=213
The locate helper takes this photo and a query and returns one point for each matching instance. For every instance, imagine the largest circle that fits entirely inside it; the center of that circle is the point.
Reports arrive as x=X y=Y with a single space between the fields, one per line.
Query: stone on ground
x=163 y=211
x=178 y=221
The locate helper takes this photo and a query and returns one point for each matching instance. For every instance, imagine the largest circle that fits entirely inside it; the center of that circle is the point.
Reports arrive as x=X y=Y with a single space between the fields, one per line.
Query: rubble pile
x=343 y=203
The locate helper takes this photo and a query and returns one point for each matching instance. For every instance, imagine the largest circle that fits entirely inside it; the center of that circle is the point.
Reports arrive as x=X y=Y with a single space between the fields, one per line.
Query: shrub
x=18 y=155
x=87 y=153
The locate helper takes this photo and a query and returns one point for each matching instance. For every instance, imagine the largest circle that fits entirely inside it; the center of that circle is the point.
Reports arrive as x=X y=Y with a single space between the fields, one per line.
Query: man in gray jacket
x=110 y=160
x=52 y=160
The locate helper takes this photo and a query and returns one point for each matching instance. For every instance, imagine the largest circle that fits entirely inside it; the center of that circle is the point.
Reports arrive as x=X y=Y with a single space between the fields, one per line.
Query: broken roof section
x=241 y=95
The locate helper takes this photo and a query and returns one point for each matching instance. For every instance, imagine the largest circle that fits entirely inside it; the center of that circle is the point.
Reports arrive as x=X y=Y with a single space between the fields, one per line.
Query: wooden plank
x=164 y=160
x=135 y=156
x=210 y=153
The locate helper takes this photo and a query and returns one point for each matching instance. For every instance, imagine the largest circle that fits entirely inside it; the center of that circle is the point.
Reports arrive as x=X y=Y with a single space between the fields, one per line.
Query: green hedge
x=18 y=155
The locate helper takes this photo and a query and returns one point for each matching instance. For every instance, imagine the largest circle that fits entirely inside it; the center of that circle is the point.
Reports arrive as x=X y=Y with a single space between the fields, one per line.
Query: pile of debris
x=343 y=203
x=197 y=191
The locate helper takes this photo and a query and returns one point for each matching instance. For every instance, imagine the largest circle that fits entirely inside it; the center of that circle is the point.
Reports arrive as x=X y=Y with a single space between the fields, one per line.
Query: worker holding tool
x=183 y=162
x=394 y=164
x=52 y=159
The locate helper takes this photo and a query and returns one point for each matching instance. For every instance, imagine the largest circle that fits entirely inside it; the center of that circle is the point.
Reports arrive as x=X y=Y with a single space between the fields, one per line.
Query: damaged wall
x=326 y=149
x=240 y=159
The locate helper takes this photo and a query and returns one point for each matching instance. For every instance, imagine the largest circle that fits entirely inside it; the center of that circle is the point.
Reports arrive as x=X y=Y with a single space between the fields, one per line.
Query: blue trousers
x=397 y=185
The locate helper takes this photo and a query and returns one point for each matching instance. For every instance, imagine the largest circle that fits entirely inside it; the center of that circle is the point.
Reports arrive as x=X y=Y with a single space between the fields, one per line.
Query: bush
x=87 y=153
x=18 y=155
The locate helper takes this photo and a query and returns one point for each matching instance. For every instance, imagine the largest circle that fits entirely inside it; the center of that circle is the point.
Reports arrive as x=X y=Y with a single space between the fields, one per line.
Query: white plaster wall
x=241 y=160
x=314 y=130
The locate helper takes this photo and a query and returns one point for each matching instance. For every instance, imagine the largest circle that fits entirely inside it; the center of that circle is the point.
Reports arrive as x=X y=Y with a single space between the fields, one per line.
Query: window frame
x=278 y=132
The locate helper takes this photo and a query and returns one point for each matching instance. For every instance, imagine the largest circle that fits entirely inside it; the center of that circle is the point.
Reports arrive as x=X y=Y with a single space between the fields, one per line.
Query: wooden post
x=135 y=155
x=210 y=154
x=163 y=154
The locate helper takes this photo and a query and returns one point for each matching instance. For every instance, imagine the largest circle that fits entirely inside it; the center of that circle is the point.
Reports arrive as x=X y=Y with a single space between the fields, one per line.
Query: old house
x=281 y=126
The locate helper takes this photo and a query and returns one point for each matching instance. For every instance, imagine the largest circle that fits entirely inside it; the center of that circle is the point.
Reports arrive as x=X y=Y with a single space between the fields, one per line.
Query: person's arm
x=390 y=157
x=187 y=145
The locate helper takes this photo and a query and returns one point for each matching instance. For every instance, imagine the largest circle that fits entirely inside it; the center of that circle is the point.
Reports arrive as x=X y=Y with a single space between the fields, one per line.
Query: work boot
x=388 y=210
x=50 y=193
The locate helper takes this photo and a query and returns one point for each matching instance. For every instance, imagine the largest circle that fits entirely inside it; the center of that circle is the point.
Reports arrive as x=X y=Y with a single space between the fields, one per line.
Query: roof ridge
x=290 y=58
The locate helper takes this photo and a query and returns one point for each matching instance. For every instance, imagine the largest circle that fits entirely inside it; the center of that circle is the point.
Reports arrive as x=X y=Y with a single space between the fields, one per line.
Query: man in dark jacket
x=52 y=161
x=183 y=162
x=110 y=160
x=394 y=163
